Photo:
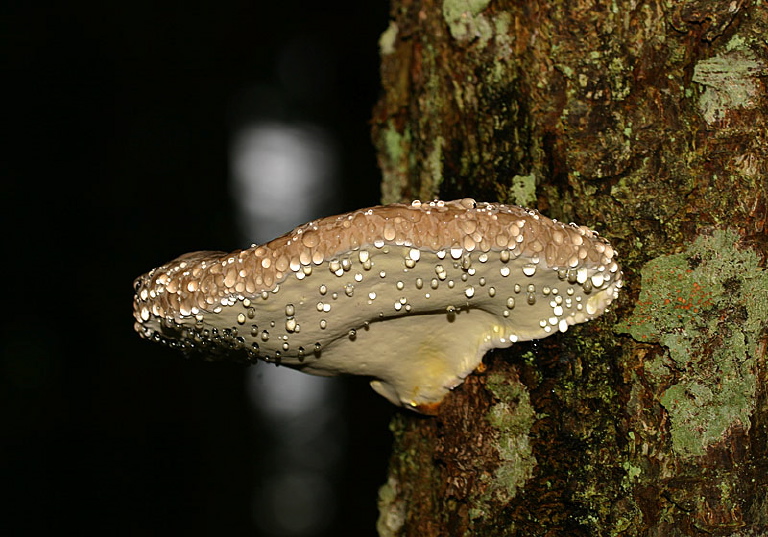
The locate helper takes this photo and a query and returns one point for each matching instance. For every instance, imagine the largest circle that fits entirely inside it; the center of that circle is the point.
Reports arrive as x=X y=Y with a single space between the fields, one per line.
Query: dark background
x=116 y=124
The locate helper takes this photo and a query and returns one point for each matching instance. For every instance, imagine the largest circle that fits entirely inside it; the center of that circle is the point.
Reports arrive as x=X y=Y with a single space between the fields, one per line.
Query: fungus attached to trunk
x=410 y=295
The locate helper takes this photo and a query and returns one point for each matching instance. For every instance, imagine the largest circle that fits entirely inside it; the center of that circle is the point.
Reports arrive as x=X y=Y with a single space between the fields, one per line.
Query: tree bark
x=645 y=120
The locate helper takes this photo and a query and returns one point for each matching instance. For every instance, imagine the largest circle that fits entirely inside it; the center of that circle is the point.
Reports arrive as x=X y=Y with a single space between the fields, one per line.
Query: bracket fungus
x=412 y=295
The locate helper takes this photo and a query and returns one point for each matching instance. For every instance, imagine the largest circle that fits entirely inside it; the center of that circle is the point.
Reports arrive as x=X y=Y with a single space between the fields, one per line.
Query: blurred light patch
x=282 y=176
x=298 y=504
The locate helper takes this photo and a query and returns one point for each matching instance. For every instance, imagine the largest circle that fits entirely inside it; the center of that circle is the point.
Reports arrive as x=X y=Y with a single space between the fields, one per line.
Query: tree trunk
x=645 y=120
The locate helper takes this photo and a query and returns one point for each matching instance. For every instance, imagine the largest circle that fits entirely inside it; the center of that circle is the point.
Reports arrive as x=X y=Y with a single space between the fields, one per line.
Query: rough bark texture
x=646 y=120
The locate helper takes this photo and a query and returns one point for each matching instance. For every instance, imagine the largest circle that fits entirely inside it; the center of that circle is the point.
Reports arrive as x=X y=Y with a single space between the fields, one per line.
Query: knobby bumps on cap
x=412 y=295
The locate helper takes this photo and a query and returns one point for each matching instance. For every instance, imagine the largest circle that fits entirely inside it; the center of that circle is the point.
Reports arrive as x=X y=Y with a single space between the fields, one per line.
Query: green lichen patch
x=396 y=147
x=465 y=20
x=522 y=191
x=512 y=417
x=434 y=167
x=708 y=306
x=395 y=143
x=388 y=39
x=391 y=510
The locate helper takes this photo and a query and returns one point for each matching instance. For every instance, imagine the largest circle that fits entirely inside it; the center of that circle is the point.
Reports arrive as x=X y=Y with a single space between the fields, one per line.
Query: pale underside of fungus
x=412 y=295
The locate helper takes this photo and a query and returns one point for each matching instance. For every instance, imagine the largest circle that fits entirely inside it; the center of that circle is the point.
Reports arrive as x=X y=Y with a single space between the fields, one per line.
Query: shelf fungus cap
x=412 y=295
